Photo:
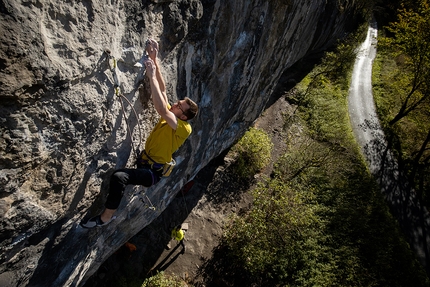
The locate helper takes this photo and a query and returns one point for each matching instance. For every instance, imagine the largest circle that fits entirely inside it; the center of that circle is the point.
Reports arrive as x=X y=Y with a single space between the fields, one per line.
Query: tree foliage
x=163 y=280
x=402 y=92
x=411 y=46
x=252 y=152
x=277 y=237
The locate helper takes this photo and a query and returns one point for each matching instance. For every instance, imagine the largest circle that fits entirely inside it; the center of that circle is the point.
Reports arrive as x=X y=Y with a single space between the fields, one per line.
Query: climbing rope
x=121 y=99
x=185 y=189
x=185 y=203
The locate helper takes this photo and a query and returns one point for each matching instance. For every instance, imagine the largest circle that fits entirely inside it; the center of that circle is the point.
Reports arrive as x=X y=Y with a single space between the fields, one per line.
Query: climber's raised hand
x=151 y=48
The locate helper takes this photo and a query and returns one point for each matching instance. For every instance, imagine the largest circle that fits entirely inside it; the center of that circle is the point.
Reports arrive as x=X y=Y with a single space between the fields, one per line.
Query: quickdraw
x=143 y=198
x=117 y=89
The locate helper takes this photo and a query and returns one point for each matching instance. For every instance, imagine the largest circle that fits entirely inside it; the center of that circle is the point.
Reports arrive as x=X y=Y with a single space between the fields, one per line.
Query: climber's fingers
x=153 y=43
x=152 y=48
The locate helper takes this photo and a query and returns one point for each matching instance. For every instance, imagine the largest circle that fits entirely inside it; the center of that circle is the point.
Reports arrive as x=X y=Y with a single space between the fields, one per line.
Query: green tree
x=277 y=238
x=411 y=43
x=410 y=126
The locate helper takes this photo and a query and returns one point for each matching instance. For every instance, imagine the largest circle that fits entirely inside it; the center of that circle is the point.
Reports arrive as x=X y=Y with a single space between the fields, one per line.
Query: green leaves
x=163 y=280
x=252 y=152
x=410 y=46
x=269 y=241
x=412 y=32
x=402 y=92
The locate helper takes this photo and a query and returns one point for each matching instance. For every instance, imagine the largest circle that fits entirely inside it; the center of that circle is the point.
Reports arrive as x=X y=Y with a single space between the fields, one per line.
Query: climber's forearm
x=160 y=80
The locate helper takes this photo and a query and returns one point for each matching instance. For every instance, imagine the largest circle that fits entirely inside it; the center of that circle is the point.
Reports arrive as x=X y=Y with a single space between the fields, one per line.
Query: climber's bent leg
x=123 y=177
x=119 y=180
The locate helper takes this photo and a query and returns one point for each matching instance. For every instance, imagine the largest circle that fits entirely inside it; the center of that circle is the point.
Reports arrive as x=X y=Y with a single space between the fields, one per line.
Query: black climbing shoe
x=95 y=221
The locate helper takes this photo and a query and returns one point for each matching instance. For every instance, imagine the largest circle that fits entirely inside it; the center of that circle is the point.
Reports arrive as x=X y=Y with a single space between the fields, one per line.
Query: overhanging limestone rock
x=62 y=124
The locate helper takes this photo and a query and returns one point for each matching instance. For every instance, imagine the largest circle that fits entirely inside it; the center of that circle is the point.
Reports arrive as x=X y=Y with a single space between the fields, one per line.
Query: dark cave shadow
x=220 y=183
x=294 y=75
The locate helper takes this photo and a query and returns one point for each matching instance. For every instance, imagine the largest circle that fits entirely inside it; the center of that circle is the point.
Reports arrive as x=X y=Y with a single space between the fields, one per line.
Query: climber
x=178 y=234
x=167 y=136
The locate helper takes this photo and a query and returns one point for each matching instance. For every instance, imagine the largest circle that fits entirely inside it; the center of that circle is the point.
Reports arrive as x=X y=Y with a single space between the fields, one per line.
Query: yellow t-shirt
x=164 y=141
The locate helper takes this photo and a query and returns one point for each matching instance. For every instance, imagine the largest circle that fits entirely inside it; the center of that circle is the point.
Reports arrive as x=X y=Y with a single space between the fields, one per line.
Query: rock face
x=64 y=129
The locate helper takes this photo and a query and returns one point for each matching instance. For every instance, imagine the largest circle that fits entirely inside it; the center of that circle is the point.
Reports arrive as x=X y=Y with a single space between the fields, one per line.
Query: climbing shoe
x=95 y=221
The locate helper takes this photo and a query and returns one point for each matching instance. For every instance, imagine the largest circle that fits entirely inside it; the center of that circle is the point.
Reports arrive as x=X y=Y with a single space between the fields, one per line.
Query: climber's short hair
x=193 y=110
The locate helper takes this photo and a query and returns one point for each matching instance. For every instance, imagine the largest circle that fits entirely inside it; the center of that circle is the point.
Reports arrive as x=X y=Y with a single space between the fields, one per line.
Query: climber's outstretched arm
x=158 y=97
x=152 y=50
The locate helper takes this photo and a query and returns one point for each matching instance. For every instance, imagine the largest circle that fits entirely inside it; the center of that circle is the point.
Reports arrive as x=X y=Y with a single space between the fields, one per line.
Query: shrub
x=162 y=280
x=279 y=235
x=252 y=152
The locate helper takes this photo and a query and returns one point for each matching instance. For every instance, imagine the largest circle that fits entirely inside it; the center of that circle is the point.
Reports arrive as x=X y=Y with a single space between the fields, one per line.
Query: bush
x=252 y=152
x=162 y=280
x=268 y=244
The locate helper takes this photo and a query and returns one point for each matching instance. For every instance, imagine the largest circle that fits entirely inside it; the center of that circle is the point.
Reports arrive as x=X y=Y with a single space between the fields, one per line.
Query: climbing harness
x=165 y=168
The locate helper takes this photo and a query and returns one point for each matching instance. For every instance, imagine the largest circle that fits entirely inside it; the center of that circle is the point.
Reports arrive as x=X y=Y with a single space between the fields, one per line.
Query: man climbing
x=167 y=136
